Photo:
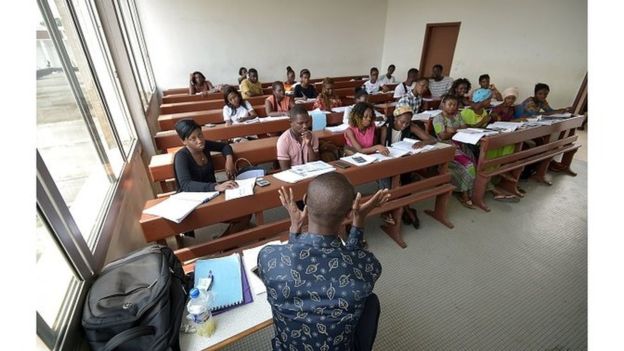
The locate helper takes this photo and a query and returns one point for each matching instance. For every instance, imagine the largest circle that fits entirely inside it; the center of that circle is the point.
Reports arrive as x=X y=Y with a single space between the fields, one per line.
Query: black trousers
x=366 y=329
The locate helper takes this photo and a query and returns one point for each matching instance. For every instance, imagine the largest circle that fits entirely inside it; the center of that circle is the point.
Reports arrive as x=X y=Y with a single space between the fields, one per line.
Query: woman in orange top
x=289 y=84
x=278 y=103
x=327 y=99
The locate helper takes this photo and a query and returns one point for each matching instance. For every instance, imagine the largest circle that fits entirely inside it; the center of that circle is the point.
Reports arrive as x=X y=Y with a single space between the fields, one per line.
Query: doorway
x=439 y=47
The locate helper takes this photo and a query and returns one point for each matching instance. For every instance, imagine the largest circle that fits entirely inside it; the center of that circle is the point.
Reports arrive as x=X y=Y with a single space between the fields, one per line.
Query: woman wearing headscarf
x=476 y=115
x=505 y=111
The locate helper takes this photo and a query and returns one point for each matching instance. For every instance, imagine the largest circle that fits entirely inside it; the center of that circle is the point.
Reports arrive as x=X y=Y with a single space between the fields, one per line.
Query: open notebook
x=178 y=206
x=227 y=284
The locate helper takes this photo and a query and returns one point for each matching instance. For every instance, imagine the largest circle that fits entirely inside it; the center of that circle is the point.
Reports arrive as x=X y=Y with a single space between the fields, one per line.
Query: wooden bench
x=557 y=139
x=218 y=210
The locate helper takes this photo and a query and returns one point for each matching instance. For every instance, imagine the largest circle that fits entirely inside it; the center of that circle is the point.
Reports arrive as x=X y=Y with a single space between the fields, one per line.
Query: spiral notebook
x=227 y=285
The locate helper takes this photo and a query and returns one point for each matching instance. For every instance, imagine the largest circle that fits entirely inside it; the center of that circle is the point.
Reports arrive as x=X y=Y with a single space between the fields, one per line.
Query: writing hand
x=230 y=184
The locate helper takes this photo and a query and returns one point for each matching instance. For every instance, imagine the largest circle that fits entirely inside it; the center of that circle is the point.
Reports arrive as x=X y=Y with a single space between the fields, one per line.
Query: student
x=236 y=110
x=278 y=104
x=537 y=104
x=460 y=89
x=439 y=84
x=320 y=299
x=289 y=84
x=193 y=168
x=199 y=85
x=398 y=127
x=327 y=99
x=406 y=86
x=414 y=97
x=476 y=115
x=360 y=136
x=360 y=96
x=484 y=82
x=297 y=145
x=372 y=85
x=305 y=90
x=462 y=169
x=251 y=87
x=388 y=78
x=505 y=111
x=242 y=74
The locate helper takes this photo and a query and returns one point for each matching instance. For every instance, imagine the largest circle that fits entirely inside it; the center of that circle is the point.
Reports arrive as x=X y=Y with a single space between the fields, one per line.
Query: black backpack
x=137 y=303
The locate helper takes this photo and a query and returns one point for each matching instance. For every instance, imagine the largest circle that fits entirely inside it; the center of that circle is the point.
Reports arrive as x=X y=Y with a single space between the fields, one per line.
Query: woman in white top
x=388 y=78
x=236 y=110
x=372 y=85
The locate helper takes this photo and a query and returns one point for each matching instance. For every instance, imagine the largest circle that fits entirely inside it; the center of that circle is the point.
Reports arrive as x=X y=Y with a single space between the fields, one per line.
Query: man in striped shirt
x=439 y=84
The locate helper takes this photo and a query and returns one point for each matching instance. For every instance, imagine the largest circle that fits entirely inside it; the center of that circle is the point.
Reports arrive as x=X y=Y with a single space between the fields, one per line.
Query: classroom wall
x=536 y=41
x=328 y=37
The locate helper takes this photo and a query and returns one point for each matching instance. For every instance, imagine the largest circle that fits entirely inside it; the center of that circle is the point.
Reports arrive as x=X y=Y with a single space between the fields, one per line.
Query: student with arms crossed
x=278 y=103
x=297 y=145
x=360 y=136
x=438 y=83
x=322 y=271
x=305 y=90
x=327 y=99
x=194 y=171
x=236 y=110
x=251 y=86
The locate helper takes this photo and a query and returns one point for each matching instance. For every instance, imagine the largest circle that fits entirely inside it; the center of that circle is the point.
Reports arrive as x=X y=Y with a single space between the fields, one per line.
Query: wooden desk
x=192 y=103
x=218 y=210
x=341 y=85
x=558 y=138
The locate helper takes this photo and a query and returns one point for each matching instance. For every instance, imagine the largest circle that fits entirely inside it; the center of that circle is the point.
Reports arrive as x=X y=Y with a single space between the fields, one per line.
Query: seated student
x=236 y=110
x=484 y=82
x=193 y=168
x=414 y=97
x=251 y=87
x=403 y=88
x=242 y=74
x=297 y=145
x=505 y=111
x=398 y=127
x=304 y=90
x=460 y=89
x=462 y=169
x=327 y=99
x=199 y=85
x=476 y=115
x=537 y=104
x=278 y=104
x=438 y=83
x=360 y=136
x=360 y=96
x=372 y=85
x=387 y=78
x=289 y=84
x=319 y=297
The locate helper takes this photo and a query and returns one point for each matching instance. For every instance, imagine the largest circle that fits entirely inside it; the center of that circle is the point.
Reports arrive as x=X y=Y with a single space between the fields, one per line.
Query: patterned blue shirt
x=317 y=288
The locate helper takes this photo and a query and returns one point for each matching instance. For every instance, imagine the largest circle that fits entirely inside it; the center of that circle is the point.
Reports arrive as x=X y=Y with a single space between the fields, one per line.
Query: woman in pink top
x=360 y=136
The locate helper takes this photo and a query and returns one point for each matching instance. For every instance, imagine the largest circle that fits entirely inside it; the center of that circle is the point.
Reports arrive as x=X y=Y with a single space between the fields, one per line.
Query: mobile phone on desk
x=262 y=182
x=342 y=164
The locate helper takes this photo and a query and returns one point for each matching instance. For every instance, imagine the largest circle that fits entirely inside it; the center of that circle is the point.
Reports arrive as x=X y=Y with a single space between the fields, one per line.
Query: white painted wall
x=217 y=37
x=517 y=42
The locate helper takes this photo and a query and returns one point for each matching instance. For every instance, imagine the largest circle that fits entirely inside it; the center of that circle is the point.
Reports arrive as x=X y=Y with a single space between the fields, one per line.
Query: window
x=135 y=45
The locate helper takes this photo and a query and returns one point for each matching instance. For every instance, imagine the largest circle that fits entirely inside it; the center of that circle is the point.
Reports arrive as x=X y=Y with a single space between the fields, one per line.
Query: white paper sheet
x=359 y=159
x=245 y=188
x=178 y=206
x=338 y=129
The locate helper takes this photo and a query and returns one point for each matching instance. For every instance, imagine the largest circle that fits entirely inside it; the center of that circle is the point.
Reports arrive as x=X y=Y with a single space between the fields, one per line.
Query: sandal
x=387 y=217
x=506 y=198
x=467 y=203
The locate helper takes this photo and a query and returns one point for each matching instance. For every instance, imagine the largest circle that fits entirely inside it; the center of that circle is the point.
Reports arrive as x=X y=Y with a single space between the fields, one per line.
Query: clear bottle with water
x=199 y=312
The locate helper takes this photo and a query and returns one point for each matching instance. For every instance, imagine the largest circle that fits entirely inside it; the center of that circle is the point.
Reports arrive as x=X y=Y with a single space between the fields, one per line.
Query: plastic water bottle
x=199 y=313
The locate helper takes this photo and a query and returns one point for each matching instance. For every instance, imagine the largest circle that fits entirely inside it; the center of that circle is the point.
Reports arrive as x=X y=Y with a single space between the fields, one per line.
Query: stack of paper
x=179 y=205
x=394 y=153
x=338 y=129
x=505 y=126
x=245 y=188
x=305 y=171
x=471 y=135
x=558 y=115
x=359 y=159
x=273 y=118
x=250 y=121
x=425 y=115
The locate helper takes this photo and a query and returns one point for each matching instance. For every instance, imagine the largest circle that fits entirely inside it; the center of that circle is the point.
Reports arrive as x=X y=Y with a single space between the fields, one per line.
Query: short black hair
x=374 y=69
x=412 y=71
x=484 y=76
x=392 y=65
x=289 y=69
x=297 y=110
x=276 y=83
x=359 y=91
x=438 y=65
x=240 y=70
x=304 y=71
x=185 y=127
x=541 y=86
x=252 y=70
x=447 y=97
x=330 y=198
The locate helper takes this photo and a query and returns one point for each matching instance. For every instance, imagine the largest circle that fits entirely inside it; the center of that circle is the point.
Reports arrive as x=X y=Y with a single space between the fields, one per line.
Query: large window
x=135 y=45
x=84 y=138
